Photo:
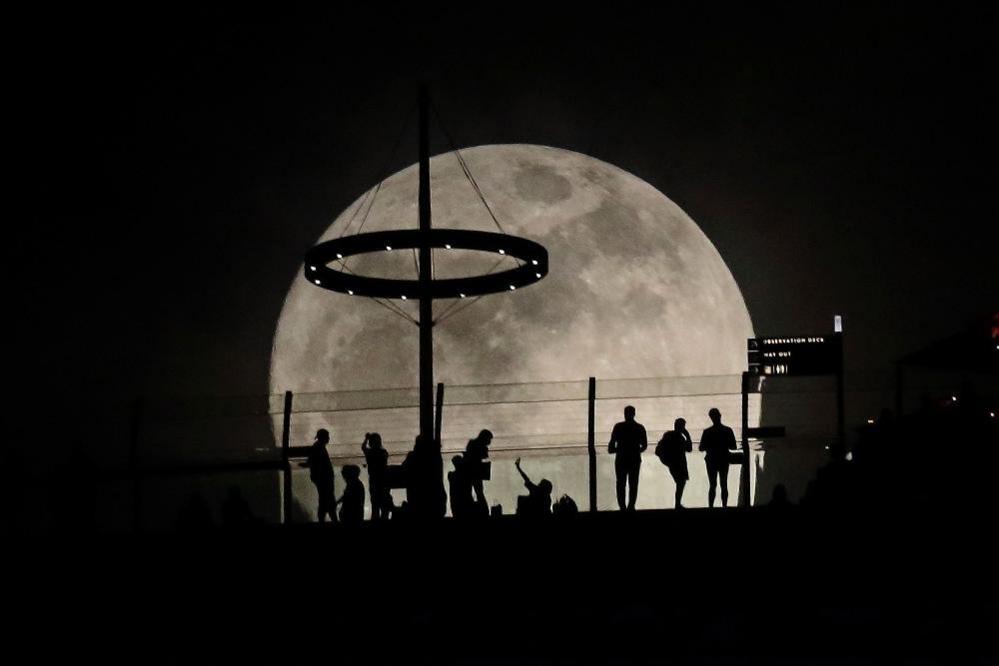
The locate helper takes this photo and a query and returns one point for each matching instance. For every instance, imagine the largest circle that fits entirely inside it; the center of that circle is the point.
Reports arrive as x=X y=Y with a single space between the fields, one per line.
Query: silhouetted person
x=565 y=507
x=460 y=489
x=376 y=458
x=779 y=499
x=538 y=501
x=672 y=451
x=716 y=442
x=321 y=474
x=235 y=510
x=425 y=494
x=352 y=502
x=476 y=452
x=627 y=441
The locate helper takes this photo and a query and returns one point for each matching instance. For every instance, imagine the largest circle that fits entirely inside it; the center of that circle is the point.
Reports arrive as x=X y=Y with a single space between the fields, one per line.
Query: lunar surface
x=635 y=288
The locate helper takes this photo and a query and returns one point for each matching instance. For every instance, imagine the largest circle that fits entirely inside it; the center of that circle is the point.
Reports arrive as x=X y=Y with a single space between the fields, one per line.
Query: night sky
x=178 y=163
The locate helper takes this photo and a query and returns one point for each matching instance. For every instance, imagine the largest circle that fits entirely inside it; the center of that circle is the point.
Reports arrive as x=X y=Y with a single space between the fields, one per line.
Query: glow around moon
x=635 y=288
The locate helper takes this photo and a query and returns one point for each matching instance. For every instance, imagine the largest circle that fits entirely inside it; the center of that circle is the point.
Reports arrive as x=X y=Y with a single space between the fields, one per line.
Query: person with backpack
x=672 y=450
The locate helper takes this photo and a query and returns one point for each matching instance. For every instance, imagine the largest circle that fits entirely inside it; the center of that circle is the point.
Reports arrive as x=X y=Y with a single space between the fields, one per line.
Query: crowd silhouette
x=420 y=475
x=886 y=465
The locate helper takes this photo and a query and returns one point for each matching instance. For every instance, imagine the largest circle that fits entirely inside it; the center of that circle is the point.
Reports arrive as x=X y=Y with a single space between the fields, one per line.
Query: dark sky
x=177 y=163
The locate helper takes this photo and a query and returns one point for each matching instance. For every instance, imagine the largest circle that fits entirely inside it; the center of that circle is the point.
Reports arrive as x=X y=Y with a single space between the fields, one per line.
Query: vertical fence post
x=439 y=413
x=744 y=493
x=591 y=443
x=286 y=459
x=840 y=400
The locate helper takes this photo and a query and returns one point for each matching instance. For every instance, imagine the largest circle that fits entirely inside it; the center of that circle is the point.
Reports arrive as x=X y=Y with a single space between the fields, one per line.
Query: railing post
x=840 y=400
x=439 y=413
x=591 y=443
x=745 y=495
x=286 y=459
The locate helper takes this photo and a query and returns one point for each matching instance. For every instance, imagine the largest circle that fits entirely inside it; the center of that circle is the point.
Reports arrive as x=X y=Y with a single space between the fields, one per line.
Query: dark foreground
x=697 y=587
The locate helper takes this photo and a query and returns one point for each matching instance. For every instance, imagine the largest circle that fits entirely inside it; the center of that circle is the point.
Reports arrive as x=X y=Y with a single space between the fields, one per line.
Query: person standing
x=476 y=453
x=672 y=451
x=627 y=441
x=716 y=442
x=321 y=474
x=376 y=459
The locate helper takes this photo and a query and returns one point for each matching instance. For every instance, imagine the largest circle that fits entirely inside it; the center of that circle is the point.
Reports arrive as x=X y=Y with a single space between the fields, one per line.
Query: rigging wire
x=464 y=167
x=385 y=303
x=447 y=311
x=360 y=204
x=384 y=174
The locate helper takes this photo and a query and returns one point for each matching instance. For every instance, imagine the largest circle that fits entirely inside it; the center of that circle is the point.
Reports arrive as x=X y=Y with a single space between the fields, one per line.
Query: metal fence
x=206 y=447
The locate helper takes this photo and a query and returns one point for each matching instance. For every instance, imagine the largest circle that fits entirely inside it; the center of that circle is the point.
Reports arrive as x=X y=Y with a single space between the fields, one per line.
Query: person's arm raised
x=522 y=474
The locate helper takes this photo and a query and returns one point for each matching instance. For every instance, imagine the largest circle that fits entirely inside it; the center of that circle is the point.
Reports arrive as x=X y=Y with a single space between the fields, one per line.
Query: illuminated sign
x=801 y=355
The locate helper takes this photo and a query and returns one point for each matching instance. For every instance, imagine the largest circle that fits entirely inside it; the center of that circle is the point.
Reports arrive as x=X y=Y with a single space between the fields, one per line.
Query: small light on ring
x=502 y=251
x=461 y=295
x=350 y=291
x=318 y=282
x=388 y=247
x=512 y=287
x=537 y=275
x=447 y=246
x=404 y=297
x=339 y=256
x=312 y=268
x=534 y=262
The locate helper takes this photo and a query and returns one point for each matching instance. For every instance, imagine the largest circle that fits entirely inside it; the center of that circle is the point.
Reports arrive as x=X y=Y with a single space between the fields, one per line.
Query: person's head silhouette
x=629 y=413
x=322 y=436
x=680 y=425
x=374 y=440
x=714 y=415
x=351 y=472
x=485 y=436
x=457 y=461
x=545 y=486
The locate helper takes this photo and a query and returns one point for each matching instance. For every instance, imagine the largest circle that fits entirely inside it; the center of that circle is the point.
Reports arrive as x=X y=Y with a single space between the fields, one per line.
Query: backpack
x=662 y=450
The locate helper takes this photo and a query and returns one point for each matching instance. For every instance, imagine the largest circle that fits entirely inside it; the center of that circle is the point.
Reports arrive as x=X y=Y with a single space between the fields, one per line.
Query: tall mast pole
x=426 y=278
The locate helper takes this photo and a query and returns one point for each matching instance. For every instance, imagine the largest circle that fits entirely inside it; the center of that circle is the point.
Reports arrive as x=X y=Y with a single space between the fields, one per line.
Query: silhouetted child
x=352 y=502
x=538 y=501
x=376 y=458
x=565 y=507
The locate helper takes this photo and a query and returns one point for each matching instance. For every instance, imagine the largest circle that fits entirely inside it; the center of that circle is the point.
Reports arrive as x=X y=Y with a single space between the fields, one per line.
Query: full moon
x=635 y=288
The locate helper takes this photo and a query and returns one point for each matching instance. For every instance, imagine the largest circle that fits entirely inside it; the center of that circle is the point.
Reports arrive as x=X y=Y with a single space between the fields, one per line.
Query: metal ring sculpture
x=533 y=255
